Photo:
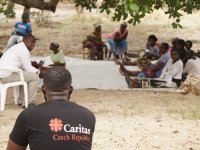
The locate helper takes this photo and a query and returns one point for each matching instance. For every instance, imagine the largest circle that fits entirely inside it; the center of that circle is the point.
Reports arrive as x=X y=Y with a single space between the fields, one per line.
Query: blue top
x=23 y=28
x=154 y=51
x=163 y=59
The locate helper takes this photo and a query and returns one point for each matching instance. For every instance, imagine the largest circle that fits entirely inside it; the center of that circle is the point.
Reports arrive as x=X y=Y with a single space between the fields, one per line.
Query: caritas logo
x=55 y=125
x=72 y=132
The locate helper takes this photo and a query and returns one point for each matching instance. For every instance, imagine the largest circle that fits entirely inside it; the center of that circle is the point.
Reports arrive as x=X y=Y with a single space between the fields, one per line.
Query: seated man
x=172 y=72
x=151 y=70
x=18 y=57
x=57 y=123
x=180 y=47
x=95 y=43
x=21 y=29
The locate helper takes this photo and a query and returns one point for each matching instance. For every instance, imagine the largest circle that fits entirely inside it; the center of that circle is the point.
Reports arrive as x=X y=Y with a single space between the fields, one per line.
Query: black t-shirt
x=55 y=125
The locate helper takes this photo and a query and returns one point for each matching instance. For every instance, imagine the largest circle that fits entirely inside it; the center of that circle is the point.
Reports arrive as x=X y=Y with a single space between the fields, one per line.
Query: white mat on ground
x=87 y=74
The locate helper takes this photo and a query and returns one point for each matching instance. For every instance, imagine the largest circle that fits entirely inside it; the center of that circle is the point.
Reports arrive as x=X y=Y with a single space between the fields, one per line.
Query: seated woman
x=94 y=42
x=117 y=41
x=180 y=47
x=191 y=76
x=152 y=48
x=188 y=46
x=150 y=70
x=192 y=66
x=56 y=55
x=172 y=72
x=174 y=42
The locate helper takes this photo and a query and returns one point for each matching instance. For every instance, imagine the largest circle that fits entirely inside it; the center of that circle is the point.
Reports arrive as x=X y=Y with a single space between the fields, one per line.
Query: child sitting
x=56 y=55
x=152 y=48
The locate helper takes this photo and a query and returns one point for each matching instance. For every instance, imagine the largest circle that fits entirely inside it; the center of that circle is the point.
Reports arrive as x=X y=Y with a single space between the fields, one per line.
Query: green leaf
x=147 y=8
x=130 y=21
x=180 y=26
x=108 y=11
x=134 y=7
x=178 y=20
x=174 y=25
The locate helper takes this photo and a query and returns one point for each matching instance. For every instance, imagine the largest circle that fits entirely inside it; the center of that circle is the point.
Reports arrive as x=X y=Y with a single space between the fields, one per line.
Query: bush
x=42 y=18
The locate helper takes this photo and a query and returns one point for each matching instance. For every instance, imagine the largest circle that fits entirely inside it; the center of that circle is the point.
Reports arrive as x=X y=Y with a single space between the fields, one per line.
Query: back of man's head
x=29 y=36
x=57 y=78
x=165 y=46
x=181 y=42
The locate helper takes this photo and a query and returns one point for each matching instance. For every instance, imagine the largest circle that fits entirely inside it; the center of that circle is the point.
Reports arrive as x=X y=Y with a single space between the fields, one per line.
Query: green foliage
x=134 y=10
x=7 y=8
x=131 y=10
x=88 y=4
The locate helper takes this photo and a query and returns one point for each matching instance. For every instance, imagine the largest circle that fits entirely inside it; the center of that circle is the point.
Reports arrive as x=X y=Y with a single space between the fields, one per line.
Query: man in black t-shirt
x=57 y=124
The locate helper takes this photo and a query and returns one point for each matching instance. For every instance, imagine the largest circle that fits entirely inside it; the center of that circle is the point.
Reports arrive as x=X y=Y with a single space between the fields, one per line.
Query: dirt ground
x=129 y=120
x=125 y=120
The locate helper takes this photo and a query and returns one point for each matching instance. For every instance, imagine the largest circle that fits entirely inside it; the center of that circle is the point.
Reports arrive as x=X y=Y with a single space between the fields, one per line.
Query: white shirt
x=192 y=66
x=16 y=57
x=172 y=70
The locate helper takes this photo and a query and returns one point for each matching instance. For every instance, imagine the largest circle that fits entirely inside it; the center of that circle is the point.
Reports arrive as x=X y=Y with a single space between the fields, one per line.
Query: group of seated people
x=165 y=65
x=171 y=64
x=116 y=43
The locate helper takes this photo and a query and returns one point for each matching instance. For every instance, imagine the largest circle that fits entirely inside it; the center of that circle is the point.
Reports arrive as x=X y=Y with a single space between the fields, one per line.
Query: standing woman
x=117 y=41
x=56 y=55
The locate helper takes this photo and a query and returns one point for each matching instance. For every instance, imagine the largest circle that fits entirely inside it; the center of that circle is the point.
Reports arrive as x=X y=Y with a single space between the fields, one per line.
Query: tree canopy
x=131 y=10
x=135 y=10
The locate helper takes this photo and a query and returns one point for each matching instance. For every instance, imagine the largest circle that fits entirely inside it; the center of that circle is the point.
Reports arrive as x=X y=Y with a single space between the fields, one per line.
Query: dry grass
x=185 y=113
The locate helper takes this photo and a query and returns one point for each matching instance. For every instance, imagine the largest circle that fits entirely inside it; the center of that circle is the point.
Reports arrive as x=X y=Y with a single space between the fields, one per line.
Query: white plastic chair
x=15 y=84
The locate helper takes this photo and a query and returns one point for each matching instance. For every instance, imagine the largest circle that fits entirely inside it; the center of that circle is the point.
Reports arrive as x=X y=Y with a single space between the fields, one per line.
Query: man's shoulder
x=180 y=62
x=82 y=109
x=28 y=24
x=22 y=23
x=69 y=106
x=21 y=46
x=192 y=62
x=165 y=56
x=18 y=23
x=170 y=61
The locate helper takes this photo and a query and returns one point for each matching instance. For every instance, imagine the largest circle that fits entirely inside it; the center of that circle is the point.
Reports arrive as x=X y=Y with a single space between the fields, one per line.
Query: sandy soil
x=126 y=120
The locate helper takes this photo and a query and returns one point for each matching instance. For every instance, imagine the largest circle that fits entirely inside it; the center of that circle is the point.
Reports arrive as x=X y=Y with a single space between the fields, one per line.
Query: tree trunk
x=39 y=4
x=27 y=11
